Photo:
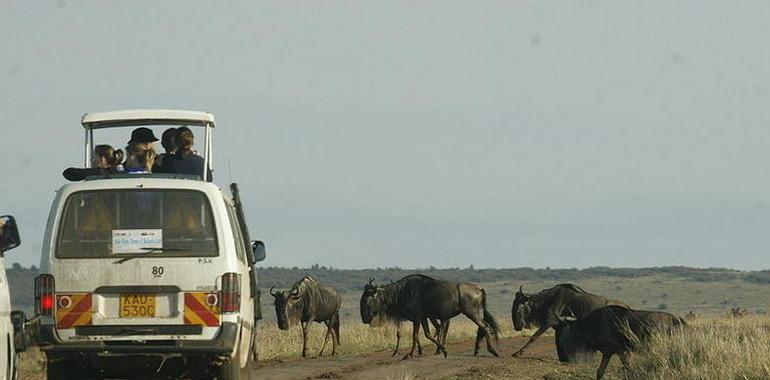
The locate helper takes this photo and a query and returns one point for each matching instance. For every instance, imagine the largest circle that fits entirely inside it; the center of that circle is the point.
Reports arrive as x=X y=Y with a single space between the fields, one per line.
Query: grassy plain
x=715 y=346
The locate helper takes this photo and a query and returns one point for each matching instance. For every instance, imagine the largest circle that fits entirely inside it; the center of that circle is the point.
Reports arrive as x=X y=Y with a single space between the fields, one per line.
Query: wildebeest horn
x=271 y=291
x=371 y=281
x=566 y=318
x=521 y=288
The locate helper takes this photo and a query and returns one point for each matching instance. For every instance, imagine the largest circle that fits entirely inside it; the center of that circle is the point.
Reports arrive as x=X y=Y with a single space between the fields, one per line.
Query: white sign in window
x=136 y=241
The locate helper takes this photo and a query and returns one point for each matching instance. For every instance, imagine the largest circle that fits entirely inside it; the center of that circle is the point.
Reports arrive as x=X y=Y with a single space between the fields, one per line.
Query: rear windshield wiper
x=149 y=250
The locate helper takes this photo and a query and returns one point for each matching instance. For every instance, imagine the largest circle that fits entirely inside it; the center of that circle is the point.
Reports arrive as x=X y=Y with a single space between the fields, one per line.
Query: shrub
x=715 y=349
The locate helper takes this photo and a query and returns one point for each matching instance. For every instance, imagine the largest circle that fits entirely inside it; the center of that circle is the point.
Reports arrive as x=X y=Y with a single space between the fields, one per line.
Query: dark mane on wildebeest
x=418 y=298
x=544 y=310
x=306 y=302
x=614 y=330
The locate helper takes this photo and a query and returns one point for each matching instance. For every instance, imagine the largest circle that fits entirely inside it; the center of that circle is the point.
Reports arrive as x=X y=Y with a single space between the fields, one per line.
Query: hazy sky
x=417 y=133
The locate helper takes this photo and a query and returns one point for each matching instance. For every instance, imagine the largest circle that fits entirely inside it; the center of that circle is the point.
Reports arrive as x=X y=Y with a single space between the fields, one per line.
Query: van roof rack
x=143 y=175
x=128 y=118
x=149 y=117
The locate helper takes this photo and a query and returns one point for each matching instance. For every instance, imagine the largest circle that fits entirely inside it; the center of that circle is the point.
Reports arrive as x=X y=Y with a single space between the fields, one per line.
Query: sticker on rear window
x=136 y=241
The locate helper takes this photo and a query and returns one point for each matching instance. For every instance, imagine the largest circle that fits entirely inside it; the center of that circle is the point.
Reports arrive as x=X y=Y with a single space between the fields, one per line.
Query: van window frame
x=240 y=249
x=60 y=226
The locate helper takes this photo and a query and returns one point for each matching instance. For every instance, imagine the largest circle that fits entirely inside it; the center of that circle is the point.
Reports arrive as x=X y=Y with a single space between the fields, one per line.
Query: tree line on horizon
x=21 y=279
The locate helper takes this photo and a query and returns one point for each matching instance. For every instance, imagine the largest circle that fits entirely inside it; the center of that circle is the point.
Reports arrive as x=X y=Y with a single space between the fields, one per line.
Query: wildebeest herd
x=584 y=323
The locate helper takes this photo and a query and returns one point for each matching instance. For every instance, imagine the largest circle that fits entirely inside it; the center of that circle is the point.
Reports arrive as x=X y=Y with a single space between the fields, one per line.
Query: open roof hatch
x=140 y=118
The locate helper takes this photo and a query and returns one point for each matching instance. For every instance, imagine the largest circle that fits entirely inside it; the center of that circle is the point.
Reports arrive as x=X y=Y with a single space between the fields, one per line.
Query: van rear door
x=129 y=263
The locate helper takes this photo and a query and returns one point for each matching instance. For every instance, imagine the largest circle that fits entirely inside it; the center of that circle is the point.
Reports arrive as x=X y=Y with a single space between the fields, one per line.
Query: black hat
x=142 y=135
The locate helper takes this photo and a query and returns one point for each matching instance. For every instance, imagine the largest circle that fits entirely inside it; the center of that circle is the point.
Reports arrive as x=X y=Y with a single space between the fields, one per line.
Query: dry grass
x=32 y=365
x=724 y=348
x=402 y=374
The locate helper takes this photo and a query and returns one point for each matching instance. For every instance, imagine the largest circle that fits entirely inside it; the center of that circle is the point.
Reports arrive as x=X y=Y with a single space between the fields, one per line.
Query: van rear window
x=120 y=223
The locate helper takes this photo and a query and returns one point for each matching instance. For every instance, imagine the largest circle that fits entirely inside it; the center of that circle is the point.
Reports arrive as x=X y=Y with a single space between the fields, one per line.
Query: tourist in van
x=104 y=160
x=185 y=160
x=141 y=158
x=168 y=142
x=143 y=136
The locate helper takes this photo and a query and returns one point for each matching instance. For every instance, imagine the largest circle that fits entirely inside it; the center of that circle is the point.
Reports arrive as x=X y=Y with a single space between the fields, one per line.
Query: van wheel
x=231 y=370
x=246 y=370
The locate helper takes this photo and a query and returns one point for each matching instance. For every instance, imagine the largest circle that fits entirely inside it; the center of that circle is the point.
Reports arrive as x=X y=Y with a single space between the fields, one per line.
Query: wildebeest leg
x=326 y=338
x=485 y=330
x=435 y=340
x=479 y=336
x=445 y=330
x=415 y=336
x=304 y=337
x=335 y=327
x=398 y=337
x=533 y=338
x=603 y=366
x=560 y=349
x=440 y=332
x=419 y=345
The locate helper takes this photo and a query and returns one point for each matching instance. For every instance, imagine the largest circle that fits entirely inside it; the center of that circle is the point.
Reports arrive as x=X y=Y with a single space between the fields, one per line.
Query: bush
x=716 y=349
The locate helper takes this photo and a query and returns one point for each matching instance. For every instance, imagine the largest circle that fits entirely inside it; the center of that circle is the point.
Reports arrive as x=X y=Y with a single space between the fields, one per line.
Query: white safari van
x=9 y=321
x=148 y=275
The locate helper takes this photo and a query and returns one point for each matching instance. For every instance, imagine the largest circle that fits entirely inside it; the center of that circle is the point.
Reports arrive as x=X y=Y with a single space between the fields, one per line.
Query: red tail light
x=230 y=295
x=44 y=291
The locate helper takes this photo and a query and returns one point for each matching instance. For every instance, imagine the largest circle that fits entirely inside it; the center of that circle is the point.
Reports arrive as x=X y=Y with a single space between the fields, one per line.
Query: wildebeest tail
x=488 y=318
x=336 y=326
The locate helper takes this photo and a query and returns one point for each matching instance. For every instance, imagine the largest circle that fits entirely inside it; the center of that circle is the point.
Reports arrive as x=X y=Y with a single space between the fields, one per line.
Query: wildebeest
x=418 y=298
x=545 y=308
x=383 y=319
x=306 y=302
x=614 y=330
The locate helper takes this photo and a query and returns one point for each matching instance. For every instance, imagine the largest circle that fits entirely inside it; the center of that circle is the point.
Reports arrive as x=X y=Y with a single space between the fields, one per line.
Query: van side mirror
x=258 y=251
x=9 y=234
x=20 y=334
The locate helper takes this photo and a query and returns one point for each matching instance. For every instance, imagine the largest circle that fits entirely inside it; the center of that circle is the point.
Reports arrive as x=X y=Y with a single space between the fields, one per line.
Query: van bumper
x=223 y=343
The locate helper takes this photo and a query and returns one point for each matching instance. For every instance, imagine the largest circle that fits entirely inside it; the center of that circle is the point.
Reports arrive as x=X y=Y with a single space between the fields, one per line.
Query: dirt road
x=538 y=362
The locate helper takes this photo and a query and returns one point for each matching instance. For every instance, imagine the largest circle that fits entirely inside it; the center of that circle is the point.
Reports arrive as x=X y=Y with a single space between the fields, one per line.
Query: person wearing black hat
x=143 y=135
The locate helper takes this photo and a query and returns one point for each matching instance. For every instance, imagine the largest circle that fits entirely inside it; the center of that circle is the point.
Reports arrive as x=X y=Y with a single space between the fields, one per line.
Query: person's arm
x=76 y=174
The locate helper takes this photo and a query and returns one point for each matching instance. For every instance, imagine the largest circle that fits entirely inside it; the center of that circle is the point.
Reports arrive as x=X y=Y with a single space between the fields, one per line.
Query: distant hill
x=354 y=279
x=21 y=279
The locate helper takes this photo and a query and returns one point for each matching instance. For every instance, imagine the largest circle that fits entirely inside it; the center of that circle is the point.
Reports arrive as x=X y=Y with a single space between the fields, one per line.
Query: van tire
x=228 y=371
x=246 y=370
x=231 y=370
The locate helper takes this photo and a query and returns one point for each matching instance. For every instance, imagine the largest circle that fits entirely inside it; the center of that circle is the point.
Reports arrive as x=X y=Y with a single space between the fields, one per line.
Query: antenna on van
x=229 y=170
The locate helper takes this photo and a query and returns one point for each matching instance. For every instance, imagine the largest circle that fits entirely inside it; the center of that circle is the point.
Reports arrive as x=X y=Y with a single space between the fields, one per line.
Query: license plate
x=137 y=305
